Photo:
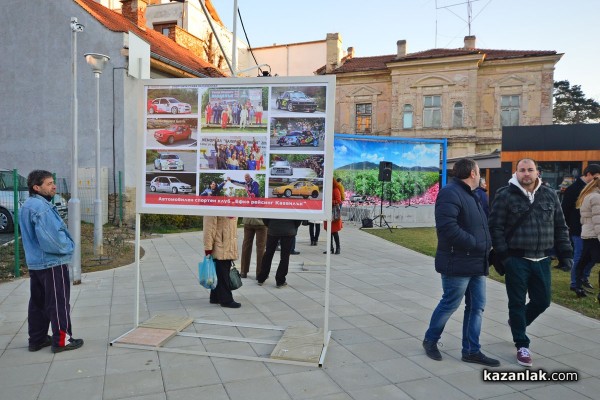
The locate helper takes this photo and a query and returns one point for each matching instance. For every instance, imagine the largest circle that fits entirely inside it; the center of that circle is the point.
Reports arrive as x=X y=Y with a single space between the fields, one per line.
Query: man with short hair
x=531 y=212
x=462 y=260
x=573 y=220
x=48 y=249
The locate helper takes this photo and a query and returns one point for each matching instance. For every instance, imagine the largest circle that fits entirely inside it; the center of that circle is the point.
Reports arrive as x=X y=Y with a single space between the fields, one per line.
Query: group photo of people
x=232 y=184
x=234 y=110
x=233 y=153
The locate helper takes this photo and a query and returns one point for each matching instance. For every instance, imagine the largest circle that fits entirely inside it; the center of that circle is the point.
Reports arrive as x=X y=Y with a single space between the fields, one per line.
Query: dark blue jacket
x=464 y=240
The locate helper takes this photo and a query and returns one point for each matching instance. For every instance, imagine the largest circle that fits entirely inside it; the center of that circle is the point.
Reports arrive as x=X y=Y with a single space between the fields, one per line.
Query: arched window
x=457 y=115
x=407 y=117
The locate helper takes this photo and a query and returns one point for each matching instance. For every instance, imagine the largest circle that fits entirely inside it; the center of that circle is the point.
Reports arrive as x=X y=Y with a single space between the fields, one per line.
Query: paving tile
x=230 y=370
x=85 y=388
x=356 y=376
x=387 y=392
x=62 y=370
x=556 y=392
x=131 y=384
x=372 y=351
x=473 y=386
x=309 y=384
x=431 y=388
x=139 y=360
x=29 y=374
x=212 y=392
x=256 y=389
x=400 y=370
x=25 y=392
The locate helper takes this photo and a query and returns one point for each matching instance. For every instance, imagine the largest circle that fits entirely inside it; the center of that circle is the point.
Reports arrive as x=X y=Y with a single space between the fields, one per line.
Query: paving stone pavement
x=382 y=296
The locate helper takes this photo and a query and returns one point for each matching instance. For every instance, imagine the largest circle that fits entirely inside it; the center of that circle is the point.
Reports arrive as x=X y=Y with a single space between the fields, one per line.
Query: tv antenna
x=449 y=7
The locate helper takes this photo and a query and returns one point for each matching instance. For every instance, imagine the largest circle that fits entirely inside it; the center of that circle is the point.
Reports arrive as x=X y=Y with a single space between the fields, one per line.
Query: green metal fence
x=14 y=192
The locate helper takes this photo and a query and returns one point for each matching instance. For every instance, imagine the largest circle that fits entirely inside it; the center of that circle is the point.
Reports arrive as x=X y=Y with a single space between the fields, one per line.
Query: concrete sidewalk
x=382 y=296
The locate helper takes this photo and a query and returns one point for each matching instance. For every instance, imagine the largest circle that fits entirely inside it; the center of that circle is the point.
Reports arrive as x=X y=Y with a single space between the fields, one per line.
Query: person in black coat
x=573 y=220
x=481 y=192
x=464 y=243
x=278 y=231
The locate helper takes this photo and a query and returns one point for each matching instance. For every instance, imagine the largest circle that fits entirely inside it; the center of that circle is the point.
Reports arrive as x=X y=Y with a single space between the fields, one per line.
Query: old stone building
x=465 y=94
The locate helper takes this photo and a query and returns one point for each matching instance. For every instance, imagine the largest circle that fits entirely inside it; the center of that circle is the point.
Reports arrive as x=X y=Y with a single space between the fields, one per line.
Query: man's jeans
x=587 y=270
x=526 y=278
x=455 y=288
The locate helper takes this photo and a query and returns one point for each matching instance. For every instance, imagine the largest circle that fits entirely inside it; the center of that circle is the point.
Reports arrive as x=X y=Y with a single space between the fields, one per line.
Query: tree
x=572 y=107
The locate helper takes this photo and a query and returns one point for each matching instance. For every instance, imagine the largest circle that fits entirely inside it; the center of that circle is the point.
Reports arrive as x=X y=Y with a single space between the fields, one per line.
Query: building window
x=164 y=28
x=510 y=106
x=407 y=117
x=432 y=112
x=363 y=118
x=457 y=115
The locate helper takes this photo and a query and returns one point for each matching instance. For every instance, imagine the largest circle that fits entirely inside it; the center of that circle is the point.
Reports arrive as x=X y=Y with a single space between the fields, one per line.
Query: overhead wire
x=248 y=40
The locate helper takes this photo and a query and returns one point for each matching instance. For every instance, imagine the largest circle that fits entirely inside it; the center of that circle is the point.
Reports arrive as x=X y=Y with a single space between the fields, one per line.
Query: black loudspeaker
x=367 y=223
x=385 y=171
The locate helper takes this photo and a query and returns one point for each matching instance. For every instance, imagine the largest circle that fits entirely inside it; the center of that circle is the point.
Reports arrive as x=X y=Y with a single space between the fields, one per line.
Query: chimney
x=401 y=48
x=350 y=52
x=135 y=11
x=469 y=42
x=334 y=51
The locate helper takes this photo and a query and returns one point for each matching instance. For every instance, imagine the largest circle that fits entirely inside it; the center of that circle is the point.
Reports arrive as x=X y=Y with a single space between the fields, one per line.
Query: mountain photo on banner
x=415 y=170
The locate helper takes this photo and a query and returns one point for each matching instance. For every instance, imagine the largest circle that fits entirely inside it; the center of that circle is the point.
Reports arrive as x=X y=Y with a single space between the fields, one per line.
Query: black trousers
x=49 y=305
x=282 y=270
x=314 y=230
x=589 y=253
x=222 y=293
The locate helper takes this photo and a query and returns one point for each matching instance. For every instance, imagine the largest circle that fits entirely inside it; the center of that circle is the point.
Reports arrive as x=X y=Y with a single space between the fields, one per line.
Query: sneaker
x=586 y=283
x=36 y=347
x=431 y=349
x=480 y=358
x=294 y=252
x=259 y=283
x=214 y=301
x=284 y=284
x=73 y=344
x=524 y=357
x=233 y=304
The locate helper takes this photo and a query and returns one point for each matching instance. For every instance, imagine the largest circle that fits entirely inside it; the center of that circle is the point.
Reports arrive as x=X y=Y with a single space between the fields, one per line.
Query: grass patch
x=424 y=241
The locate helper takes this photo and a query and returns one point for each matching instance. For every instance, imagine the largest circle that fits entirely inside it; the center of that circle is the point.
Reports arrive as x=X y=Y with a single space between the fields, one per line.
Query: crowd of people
x=239 y=156
x=236 y=114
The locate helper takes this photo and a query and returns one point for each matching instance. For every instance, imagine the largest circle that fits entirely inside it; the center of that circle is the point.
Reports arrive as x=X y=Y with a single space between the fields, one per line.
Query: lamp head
x=96 y=61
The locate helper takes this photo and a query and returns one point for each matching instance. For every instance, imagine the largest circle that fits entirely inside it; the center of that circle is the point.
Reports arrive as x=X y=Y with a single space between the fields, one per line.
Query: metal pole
x=16 y=222
x=74 y=203
x=137 y=269
x=234 y=44
x=120 y=199
x=98 y=246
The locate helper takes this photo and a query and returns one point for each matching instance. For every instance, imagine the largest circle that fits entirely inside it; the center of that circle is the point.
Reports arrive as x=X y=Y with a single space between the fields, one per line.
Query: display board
x=246 y=147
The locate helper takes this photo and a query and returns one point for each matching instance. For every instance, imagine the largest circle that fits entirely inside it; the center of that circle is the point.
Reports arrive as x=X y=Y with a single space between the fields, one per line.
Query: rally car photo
x=168 y=162
x=168 y=105
x=297 y=138
x=173 y=133
x=305 y=189
x=169 y=184
x=295 y=100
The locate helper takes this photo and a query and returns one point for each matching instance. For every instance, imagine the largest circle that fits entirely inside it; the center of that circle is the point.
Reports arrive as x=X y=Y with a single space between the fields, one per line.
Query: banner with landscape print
x=415 y=173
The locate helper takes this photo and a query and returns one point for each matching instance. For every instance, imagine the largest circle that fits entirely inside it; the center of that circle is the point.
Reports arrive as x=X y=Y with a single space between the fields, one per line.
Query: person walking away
x=588 y=204
x=532 y=213
x=253 y=227
x=279 y=231
x=461 y=258
x=573 y=220
x=220 y=241
x=48 y=249
x=481 y=192
x=336 y=226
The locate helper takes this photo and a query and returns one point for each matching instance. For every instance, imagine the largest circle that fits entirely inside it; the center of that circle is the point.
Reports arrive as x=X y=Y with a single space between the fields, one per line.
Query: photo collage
x=235 y=146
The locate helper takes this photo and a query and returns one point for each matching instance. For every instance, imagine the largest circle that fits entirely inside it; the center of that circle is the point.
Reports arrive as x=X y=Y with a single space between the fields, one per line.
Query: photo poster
x=415 y=172
x=245 y=147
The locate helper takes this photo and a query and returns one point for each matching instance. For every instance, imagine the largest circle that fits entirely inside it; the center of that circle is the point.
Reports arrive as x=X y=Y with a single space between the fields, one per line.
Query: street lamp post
x=74 y=203
x=97 y=62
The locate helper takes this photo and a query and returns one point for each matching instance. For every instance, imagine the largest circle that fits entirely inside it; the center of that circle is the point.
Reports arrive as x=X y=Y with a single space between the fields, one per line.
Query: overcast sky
x=373 y=27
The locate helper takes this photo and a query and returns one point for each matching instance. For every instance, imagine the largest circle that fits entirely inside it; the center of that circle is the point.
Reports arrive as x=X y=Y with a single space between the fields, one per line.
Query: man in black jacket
x=461 y=258
x=573 y=220
x=532 y=212
x=282 y=231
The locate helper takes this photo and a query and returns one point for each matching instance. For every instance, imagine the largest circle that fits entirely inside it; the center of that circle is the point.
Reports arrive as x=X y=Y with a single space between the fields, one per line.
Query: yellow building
x=466 y=95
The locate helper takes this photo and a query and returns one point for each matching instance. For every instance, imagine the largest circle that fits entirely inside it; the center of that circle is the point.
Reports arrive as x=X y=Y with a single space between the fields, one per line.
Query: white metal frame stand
x=326 y=331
